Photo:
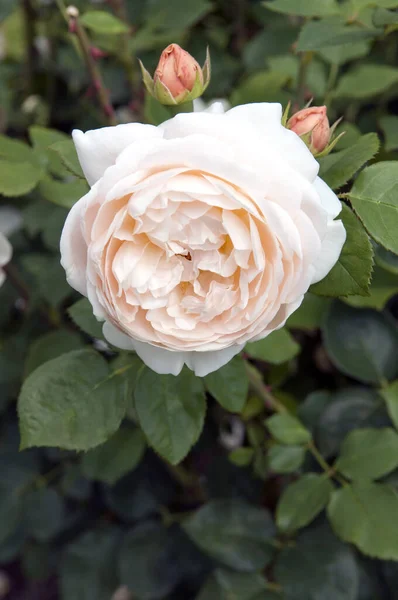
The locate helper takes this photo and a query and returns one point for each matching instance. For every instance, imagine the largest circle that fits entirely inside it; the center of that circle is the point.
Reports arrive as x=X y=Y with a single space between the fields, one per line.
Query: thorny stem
x=92 y=67
x=258 y=386
x=119 y=8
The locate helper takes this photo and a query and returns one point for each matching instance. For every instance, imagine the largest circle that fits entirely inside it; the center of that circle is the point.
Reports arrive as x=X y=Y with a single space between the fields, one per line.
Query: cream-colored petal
x=98 y=149
x=332 y=245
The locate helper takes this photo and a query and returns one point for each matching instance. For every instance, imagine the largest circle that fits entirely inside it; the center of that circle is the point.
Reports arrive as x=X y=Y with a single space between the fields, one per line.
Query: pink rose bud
x=178 y=77
x=313 y=125
x=177 y=70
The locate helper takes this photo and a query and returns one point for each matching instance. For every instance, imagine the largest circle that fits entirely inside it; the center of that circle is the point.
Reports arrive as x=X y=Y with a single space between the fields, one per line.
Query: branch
x=76 y=28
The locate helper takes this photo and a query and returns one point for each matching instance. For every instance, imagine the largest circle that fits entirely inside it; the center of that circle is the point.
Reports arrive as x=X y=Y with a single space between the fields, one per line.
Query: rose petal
x=332 y=245
x=98 y=149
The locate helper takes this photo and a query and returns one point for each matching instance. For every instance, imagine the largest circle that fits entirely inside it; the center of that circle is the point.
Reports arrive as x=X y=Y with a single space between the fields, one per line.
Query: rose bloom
x=198 y=235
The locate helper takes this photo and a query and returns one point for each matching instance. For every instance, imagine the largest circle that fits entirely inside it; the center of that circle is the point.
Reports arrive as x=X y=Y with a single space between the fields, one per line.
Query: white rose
x=199 y=235
x=10 y=221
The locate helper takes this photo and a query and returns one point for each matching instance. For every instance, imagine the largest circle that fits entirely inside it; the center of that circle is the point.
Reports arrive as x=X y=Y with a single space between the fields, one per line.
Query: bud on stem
x=178 y=77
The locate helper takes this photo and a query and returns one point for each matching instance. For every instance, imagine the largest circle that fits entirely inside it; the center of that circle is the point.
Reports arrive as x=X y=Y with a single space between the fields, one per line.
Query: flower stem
x=258 y=386
x=92 y=67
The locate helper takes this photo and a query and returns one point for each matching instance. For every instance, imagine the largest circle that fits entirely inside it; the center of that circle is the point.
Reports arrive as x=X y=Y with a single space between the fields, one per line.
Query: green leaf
x=382 y=16
x=103 y=22
x=366 y=514
x=233 y=533
x=276 y=348
x=49 y=277
x=310 y=411
x=175 y=14
x=285 y=459
x=229 y=385
x=49 y=346
x=339 y=55
x=383 y=286
x=241 y=457
x=339 y=167
x=67 y=152
x=302 y=501
x=389 y=127
x=227 y=585
x=82 y=315
x=42 y=138
x=368 y=453
x=287 y=429
x=146 y=561
x=63 y=194
x=18 y=178
x=390 y=396
x=352 y=272
x=366 y=81
x=387 y=260
x=171 y=411
x=88 y=569
x=70 y=402
x=303 y=8
x=318 y=567
x=310 y=314
x=119 y=455
x=374 y=197
x=260 y=87
x=348 y=409
x=45 y=514
x=15 y=150
x=361 y=343
x=331 y=32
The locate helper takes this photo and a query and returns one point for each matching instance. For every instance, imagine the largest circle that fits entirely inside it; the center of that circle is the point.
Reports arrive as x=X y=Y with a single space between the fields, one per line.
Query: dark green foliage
x=273 y=478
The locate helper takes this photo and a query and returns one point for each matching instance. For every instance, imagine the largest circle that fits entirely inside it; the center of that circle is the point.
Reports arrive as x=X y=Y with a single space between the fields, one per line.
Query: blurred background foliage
x=291 y=490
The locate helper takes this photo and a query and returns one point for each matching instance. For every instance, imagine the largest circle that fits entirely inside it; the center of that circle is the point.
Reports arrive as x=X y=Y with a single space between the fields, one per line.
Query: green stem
x=92 y=67
x=258 y=386
x=185 y=107
x=329 y=471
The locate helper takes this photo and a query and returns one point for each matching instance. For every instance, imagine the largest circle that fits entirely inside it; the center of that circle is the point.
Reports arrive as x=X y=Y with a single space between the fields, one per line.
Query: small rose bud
x=72 y=12
x=178 y=77
x=312 y=124
x=177 y=70
x=97 y=53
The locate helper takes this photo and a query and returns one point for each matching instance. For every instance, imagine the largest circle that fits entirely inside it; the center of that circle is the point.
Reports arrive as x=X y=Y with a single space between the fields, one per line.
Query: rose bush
x=198 y=235
x=275 y=476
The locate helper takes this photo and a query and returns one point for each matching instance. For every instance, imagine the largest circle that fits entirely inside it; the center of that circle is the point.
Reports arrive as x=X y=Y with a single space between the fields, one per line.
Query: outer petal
x=203 y=363
x=5 y=250
x=74 y=248
x=332 y=244
x=218 y=106
x=98 y=149
x=259 y=114
x=265 y=118
x=158 y=359
x=329 y=200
